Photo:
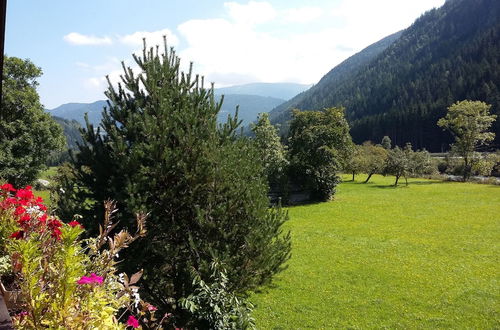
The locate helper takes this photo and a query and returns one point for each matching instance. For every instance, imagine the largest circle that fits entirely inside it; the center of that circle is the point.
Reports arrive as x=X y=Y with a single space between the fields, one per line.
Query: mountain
x=249 y=106
x=71 y=130
x=276 y=90
x=448 y=54
x=251 y=98
x=345 y=71
x=76 y=111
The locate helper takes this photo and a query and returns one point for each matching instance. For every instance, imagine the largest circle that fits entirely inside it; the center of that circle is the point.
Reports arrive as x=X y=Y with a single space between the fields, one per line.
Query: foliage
x=272 y=152
x=448 y=54
x=468 y=121
x=386 y=142
x=377 y=250
x=215 y=306
x=320 y=145
x=406 y=162
x=27 y=133
x=373 y=159
x=399 y=163
x=161 y=150
x=56 y=271
x=354 y=164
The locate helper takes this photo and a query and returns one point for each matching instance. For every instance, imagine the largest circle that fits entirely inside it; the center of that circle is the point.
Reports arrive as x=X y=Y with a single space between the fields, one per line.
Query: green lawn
x=423 y=256
x=46 y=175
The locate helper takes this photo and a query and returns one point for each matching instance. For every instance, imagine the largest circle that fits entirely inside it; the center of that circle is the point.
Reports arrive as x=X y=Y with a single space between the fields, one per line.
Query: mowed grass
x=423 y=256
x=46 y=175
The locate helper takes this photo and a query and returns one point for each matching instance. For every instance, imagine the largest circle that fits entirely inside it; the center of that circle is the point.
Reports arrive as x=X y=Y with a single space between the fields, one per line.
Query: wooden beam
x=3 y=19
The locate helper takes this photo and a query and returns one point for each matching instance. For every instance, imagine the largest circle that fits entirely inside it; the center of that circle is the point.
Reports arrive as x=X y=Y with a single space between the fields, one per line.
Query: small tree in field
x=27 y=133
x=203 y=185
x=468 y=122
x=320 y=145
x=374 y=158
x=399 y=162
x=354 y=164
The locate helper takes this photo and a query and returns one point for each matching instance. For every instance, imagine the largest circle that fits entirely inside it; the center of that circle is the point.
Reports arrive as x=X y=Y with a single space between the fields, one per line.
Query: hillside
x=448 y=54
x=251 y=98
x=277 y=90
x=249 y=106
x=76 y=111
x=317 y=94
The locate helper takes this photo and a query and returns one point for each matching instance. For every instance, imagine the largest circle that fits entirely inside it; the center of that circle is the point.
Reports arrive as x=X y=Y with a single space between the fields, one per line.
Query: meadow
x=423 y=256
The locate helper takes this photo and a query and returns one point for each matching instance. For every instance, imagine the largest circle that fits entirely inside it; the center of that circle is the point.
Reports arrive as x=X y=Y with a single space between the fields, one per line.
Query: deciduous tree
x=320 y=145
x=468 y=122
x=27 y=133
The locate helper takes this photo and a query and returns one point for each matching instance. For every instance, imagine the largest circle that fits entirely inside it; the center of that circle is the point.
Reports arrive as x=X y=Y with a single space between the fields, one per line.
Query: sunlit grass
x=423 y=256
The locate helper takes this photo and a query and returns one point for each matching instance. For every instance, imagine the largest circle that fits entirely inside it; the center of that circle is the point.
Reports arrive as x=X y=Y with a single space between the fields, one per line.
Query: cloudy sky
x=77 y=43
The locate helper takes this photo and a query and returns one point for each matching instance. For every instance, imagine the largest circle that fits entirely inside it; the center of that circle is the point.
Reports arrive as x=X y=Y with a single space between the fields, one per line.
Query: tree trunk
x=353 y=175
x=397 y=179
x=368 y=178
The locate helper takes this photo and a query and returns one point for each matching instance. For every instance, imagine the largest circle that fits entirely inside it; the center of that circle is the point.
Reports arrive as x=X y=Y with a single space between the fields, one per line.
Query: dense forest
x=448 y=54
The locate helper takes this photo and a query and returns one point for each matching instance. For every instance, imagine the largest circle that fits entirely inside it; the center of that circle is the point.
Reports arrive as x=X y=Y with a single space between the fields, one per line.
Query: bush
x=65 y=282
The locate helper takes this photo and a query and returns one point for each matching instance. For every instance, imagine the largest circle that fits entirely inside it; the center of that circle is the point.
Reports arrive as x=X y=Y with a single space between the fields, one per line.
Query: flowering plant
x=67 y=282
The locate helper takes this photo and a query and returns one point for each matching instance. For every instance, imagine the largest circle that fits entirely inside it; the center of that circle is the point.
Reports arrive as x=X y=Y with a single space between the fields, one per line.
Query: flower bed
x=63 y=280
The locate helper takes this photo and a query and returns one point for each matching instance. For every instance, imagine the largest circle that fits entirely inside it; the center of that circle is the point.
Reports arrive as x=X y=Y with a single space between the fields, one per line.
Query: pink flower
x=152 y=308
x=96 y=279
x=132 y=321
x=93 y=278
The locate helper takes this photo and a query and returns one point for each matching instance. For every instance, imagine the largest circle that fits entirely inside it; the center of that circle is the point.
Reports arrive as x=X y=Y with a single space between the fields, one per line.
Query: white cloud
x=368 y=21
x=303 y=14
x=153 y=38
x=252 y=13
x=78 y=39
x=236 y=49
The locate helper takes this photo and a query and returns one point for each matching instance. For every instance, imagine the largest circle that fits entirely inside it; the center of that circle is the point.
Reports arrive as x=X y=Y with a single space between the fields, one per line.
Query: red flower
x=43 y=218
x=133 y=322
x=56 y=233
x=75 y=223
x=25 y=193
x=7 y=187
x=19 y=210
x=24 y=220
x=17 y=235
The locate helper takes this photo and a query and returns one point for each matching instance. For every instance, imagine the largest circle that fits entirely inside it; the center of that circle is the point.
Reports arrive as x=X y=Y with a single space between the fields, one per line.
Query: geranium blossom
x=133 y=322
x=93 y=278
x=75 y=223
x=7 y=187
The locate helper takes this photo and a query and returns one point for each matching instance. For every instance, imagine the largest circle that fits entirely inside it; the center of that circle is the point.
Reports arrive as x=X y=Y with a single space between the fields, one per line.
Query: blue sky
x=77 y=43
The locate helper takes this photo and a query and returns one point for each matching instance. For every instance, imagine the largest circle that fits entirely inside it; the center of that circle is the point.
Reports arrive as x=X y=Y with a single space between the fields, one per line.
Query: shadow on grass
x=401 y=184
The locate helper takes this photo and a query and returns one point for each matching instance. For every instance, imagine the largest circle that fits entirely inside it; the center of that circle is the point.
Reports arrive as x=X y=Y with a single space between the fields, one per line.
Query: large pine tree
x=161 y=150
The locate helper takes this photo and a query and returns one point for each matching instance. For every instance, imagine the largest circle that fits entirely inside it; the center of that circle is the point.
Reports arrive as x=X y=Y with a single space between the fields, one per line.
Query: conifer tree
x=161 y=151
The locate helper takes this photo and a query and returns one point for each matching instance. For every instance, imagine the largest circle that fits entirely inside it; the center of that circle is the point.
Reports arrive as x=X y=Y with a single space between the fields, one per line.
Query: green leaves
x=27 y=134
x=469 y=122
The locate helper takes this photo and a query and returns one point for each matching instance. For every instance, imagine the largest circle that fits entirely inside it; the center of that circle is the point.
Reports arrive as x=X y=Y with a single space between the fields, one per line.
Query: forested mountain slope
x=448 y=54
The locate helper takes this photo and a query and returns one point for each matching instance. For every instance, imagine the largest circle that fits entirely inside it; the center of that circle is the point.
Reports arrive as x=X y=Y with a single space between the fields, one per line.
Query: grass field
x=423 y=256
x=46 y=175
